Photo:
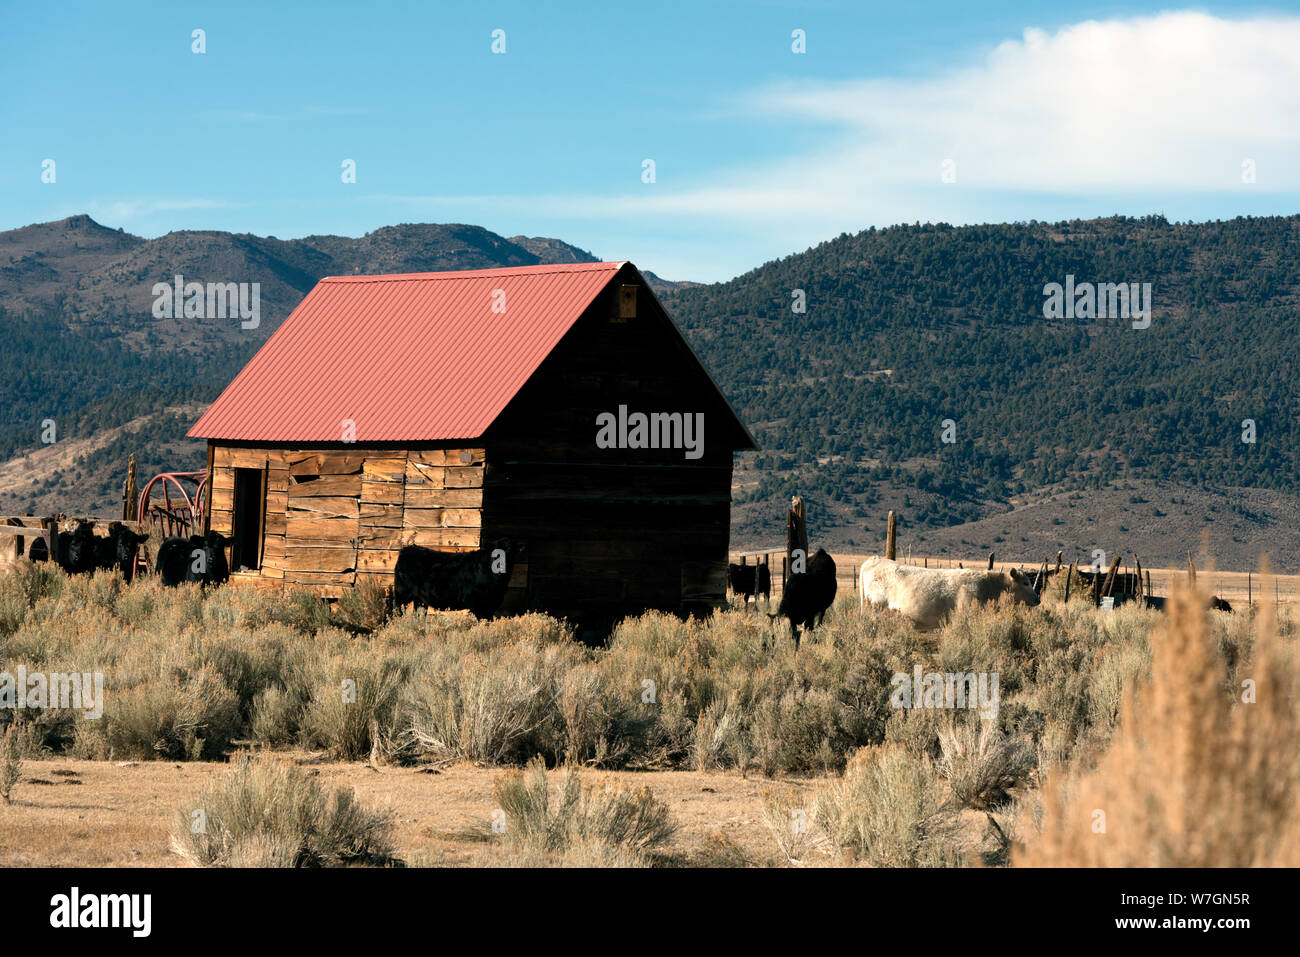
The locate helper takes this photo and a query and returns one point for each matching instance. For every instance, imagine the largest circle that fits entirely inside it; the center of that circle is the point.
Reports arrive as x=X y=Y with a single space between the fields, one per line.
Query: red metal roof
x=419 y=356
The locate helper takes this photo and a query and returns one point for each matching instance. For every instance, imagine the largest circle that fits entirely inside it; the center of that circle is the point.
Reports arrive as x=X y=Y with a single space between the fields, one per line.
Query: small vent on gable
x=626 y=302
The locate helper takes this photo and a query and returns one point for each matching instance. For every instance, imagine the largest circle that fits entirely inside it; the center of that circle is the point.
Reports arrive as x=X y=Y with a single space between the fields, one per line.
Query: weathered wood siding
x=611 y=532
x=335 y=516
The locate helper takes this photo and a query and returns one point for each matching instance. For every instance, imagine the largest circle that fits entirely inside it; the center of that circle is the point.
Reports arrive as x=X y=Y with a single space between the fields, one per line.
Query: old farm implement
x=180 y=508
x=172 y=503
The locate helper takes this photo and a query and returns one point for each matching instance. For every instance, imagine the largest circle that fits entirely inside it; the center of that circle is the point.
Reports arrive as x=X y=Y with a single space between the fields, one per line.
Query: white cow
x=929 y=595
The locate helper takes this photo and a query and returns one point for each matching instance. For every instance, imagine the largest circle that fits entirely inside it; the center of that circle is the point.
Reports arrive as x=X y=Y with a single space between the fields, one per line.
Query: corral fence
x=20 y=533
x=1240 y=589
x=171 y=503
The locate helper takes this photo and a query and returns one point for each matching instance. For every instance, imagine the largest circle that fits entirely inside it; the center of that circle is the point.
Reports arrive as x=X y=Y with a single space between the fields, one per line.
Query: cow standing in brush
x=743 y=579
x=750 y=581
x=199 y=558
x=82 y=552
x=808 y=594
x=451 y=580
x=118 y=548
x=76 y=550
x=928 y=596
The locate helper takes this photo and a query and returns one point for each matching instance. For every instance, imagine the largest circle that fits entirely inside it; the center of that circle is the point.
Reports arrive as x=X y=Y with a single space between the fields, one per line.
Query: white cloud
x=1174 y=101
x=1171 y=103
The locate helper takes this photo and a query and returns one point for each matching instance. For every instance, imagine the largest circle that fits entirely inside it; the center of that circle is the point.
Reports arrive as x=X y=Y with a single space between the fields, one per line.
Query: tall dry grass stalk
x=1193 y=777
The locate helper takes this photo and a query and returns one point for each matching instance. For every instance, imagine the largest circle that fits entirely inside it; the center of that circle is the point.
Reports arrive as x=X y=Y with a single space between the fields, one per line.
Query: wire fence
x=1237 y=588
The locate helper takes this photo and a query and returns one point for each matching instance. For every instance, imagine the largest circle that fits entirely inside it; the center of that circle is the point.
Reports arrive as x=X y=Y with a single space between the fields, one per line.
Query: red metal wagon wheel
x=180 y=513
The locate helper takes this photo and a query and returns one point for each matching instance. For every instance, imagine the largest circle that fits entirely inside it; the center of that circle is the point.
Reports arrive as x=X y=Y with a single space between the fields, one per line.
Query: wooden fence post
x=796 y=531
x=130 y=492
x=891 y=535
x=52 y=543
x=990 y=568
x=1110 y=578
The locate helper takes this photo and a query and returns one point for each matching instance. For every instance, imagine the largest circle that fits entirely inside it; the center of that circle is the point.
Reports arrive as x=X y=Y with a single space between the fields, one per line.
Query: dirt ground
x=101 y=814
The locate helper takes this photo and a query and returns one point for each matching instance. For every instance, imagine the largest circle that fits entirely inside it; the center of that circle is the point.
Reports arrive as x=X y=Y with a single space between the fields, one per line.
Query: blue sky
x=957 y=112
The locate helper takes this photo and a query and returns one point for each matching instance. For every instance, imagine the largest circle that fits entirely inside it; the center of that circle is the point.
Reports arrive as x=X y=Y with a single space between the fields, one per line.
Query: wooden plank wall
x=337 y=516
x=610 y=531
x=630 y=539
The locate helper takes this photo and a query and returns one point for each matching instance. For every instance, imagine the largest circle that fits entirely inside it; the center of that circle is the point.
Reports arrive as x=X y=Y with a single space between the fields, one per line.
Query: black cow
x=808 y=594
x=1160 y=603
x=76 y=549
x=198 y=558
x=751 y=581
x=117 y=549
x=448 y=580
x=742 y=579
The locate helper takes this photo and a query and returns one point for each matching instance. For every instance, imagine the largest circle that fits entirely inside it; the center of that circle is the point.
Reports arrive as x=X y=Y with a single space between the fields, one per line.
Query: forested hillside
x=908 y=326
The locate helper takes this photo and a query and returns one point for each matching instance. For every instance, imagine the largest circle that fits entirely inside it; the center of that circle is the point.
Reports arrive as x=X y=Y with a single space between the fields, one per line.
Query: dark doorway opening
x=250 y=509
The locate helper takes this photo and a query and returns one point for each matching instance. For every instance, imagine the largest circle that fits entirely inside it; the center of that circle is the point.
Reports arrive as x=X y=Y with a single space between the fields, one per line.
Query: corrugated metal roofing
x=411 y=357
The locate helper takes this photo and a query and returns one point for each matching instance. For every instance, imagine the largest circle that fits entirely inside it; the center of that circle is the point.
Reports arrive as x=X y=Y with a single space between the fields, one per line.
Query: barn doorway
x=250 y=510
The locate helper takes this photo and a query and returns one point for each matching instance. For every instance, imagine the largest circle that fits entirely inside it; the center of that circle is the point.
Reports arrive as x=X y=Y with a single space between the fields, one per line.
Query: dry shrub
x=1117 y=669
x=916 y=729
x=1080 y=591
x=1192 y=778
x=798 y=732
x=180 y=714
x=717 y=849
x=981 y=763
x=33 y=581
x=891 y=809
x=659 y=666
x=302 y=609
x=276 y=717
x=268 y=813
x=603 y=724
x=358 y=691
x=364 y=606
x=11 y=759
x=719 y=738
x=494 y=708
x=188 y=671
x=588 y=826
x=992 y=639
x=22 y=585
x=791 y=822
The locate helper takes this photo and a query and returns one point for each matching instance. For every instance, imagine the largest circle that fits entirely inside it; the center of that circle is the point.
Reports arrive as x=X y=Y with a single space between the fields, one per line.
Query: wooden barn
x=557 y=407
